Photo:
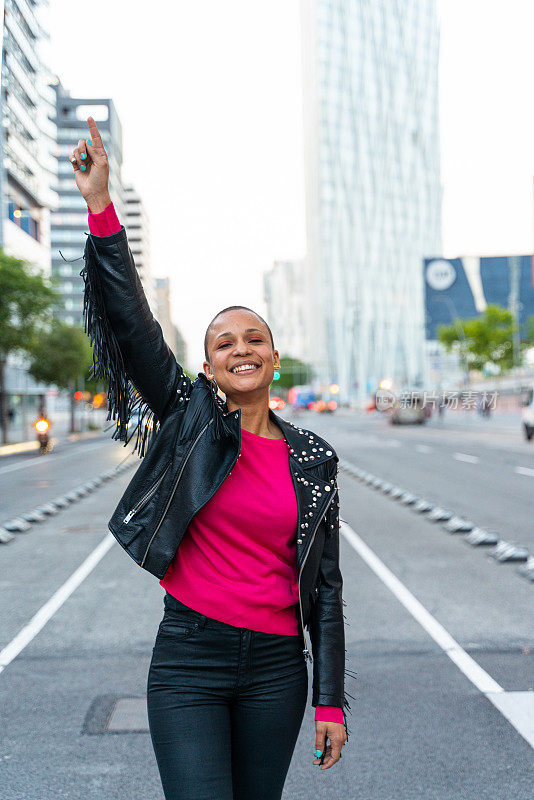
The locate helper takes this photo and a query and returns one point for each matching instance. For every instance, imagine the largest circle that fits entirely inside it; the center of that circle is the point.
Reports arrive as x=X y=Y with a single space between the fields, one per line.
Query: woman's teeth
x=244 y=368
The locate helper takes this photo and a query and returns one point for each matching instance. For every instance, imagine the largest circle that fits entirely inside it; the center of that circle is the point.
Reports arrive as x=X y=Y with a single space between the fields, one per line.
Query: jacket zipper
x=173 y=490
x=306 y=651
x=146 y=497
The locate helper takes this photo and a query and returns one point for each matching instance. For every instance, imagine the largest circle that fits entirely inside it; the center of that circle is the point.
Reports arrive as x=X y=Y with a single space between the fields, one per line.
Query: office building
x=171 y=332
x=138 y=231
x=69 y=222
x=28 y=134
x=180 y=347
x=373 y=194
x=285 y=301
x=462 y=288
x=27 y=172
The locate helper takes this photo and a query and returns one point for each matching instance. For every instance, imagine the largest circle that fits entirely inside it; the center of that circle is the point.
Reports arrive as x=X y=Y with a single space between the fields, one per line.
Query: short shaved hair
x=234 y=308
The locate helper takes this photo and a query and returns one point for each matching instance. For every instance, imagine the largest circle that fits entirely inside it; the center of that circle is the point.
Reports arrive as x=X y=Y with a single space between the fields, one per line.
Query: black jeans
x=225 y=707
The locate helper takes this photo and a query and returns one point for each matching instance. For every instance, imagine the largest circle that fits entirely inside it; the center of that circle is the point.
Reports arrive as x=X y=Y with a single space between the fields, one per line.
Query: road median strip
x=503 y=551
x=24 y=522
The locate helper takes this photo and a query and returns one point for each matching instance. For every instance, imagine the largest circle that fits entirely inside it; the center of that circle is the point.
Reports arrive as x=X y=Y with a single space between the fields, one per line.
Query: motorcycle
x=42 y=428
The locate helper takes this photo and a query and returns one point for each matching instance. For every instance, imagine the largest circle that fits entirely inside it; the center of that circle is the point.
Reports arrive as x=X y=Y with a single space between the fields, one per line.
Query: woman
x=223 y=491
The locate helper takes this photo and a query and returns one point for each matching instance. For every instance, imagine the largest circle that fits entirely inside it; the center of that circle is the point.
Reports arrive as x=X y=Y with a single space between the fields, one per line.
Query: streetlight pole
x=514 y=268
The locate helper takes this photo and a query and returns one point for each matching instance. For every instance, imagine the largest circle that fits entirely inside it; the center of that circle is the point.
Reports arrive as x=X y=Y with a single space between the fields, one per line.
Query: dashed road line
x=524 y=471
x=466 y=457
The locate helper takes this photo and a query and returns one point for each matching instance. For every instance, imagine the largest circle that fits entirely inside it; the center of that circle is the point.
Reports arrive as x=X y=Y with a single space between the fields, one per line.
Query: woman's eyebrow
x=229 y=333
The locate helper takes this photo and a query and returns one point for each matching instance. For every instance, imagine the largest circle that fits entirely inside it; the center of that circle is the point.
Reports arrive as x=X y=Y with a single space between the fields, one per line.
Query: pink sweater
x=241 y=551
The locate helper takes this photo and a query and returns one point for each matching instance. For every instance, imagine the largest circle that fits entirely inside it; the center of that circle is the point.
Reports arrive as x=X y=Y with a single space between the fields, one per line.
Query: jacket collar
x=307 y=448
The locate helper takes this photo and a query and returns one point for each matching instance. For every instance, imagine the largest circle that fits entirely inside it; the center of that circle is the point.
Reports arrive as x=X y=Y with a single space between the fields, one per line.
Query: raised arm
x=129 y=350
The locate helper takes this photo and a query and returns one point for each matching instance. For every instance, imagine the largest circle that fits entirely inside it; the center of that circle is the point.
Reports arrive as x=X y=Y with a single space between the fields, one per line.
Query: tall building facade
x=373 y=191
x=27 y=132
x=138 y=231
x=171 y=333
x=69 y=222
x=180 y=347
x=285 y=301
x=27 y=170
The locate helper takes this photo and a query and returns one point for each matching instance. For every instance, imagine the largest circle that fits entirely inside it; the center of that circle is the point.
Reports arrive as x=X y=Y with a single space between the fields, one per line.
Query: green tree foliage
x=26 y=303
x=62 y=355
x=292 y=373
x=483 y=339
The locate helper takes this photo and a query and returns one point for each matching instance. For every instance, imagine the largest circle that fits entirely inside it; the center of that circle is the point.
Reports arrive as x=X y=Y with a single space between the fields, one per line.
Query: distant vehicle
x=408 y=410
x=301 y=397
x=527 y=416
x=325 y=406
x=42 y=429
x=276 y=403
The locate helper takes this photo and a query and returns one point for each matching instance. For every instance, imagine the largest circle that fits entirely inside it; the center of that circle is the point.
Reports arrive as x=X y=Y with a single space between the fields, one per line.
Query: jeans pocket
x=177 y=627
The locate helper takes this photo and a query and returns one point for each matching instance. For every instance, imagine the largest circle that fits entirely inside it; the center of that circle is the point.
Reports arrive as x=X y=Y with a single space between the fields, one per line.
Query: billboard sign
x=464 y=287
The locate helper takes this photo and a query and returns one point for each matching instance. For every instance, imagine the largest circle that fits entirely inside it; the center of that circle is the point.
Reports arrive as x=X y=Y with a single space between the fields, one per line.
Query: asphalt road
x=420 y=727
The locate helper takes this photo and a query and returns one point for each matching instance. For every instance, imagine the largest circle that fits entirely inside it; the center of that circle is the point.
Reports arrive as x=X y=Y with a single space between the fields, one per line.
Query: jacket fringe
x=220 y=427
x=108 y=363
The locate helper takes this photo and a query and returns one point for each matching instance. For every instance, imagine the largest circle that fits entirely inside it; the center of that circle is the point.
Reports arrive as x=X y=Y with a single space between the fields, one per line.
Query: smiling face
x=241 y=356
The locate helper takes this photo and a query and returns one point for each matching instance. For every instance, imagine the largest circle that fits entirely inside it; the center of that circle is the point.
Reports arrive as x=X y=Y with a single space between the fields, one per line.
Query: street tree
x=293 y=372
x=61 y=357
x=27 y=300
x=483 y=339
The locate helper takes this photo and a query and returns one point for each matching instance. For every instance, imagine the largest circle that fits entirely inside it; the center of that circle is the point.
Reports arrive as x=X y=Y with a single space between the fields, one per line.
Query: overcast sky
x=208 y=93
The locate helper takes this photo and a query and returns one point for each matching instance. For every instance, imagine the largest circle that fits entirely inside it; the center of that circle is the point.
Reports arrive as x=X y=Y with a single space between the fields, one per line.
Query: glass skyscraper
x=373 y=193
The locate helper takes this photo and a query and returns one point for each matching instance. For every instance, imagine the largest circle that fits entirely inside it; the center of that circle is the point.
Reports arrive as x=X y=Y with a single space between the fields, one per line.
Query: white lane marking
x=524 y=471
x=39 y=620
x=510 y=707
x=518 y=708
x=466 y=457
x=468 y=666
x=423 y=448
x=41 y=459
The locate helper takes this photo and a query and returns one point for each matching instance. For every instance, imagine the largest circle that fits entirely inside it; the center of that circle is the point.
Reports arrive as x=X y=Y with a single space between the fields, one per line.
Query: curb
x=14 y=448
x=24 y=522
x=502 y=552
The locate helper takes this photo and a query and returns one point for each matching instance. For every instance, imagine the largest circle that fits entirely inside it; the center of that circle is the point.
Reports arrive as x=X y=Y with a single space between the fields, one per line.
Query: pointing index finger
x=95 y=135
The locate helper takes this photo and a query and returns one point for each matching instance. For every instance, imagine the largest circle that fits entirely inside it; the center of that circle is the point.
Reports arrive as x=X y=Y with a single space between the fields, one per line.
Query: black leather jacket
x=190 y=445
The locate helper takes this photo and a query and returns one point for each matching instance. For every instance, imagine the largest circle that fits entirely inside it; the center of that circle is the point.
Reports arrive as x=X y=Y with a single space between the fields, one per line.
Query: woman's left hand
x=336 y=733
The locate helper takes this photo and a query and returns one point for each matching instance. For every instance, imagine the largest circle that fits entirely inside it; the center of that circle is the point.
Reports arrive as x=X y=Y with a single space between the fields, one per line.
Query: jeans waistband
x=170 y=601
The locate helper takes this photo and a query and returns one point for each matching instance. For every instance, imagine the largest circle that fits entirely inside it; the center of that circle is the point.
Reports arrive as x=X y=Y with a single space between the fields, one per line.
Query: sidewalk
x=23 y=440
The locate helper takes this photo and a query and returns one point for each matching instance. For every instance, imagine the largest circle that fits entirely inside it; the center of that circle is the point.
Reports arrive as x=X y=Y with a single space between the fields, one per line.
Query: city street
x=433 y=625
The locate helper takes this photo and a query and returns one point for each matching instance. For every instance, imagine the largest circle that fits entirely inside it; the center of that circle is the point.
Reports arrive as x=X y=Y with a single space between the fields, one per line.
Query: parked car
x=408 y=410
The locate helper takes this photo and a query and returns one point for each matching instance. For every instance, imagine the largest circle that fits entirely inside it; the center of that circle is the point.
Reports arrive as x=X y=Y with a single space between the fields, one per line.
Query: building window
x=22 y=218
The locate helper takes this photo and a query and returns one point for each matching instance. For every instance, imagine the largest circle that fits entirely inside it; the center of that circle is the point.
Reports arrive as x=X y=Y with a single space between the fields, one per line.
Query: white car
x=527 y=417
